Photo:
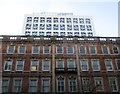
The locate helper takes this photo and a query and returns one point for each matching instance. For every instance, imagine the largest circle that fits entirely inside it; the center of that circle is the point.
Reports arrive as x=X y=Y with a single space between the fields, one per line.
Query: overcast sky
x=104 y=13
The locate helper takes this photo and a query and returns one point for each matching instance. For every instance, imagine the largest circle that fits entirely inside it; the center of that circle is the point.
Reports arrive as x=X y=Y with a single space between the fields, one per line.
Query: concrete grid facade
x=32 y=64
x=58 y=24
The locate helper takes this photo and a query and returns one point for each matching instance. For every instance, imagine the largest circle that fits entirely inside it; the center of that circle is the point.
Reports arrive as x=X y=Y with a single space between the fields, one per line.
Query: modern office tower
x=58 y=24
x=60 y=65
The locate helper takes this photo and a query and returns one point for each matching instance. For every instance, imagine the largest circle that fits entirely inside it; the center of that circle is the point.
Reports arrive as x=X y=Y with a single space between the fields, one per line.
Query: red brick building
x=37 y=64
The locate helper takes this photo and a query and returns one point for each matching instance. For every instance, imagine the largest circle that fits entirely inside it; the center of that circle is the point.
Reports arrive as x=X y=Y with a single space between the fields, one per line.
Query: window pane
x=60 y=63
x=19 y=65
x=81 y=20
x=62 y=20
x=33 y=85
x=118 y=63
x=8 y=65
x=95 y=65
x=48 y=27
x=108 y=64
x=98 y=83
x=28 y=26
x=60 y=84
x=11 y=48
x=105 y=49
x=115 y=50
x=59 y=49
x=34 y=65
x=46 y=65
x=46 y=49
x=87 y=21
x=82 y=49
x=42 y=19
x=5 y=84
x=35 y=49
x=86 y=84
x=69 y=49
x=42 y=26
x=17 y=85
x=22 y=49
x=92 y=49
x=71 y=64
x=72 y=85
x=29 y=19
x=113 y=84
x=84 y=65
x=45 y=85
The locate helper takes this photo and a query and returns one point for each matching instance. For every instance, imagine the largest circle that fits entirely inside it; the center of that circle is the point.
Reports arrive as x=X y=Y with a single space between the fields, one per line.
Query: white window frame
x=107 y=69
x=29 y=19
x=57 y=49
x=36 y=19
x=10 y=66
x=102 y=85
x=72 y=50
x=115 y=79
x=117 y=49
x=7 y=86
x=80 y=50
x=35 y=26
x=37 y=66
x=82 y=28
x=28 y=26
x=55 y=20
x=81 y=20
x=35 y=50
x=17 y=65
x=90 y=49
x=68 y=63
x=98 y=63
x=89 y=27
x=117 y=63
x=62 y=27
x=14 y=85
x=75 y=20
x=108 y=50
x=88 y=21
x=19 y=49
x=86 y=64
x=55 y=27
x=46 y=86
x=41 y=33
x=86 y=81
x=57 y=83
x=43 y=65
x=34 y=86
x=72 y=83
x=42 y=19
x=44 y=49
x=61 y=63
x=42 y=27
x=48 y=26
x=49 y=20
x=8 y=49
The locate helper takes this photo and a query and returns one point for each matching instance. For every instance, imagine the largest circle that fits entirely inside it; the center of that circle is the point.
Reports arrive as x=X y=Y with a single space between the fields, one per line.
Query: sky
x=104 y=13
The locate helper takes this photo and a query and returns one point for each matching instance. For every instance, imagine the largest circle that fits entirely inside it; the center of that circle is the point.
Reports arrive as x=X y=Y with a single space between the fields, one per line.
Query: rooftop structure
x=58 y=24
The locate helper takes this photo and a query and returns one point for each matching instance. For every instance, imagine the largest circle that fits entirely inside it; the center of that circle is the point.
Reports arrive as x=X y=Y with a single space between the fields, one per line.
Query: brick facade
x=51 y=72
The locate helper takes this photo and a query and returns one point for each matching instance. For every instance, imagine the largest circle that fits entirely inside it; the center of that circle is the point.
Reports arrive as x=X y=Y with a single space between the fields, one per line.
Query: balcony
x=60 y=70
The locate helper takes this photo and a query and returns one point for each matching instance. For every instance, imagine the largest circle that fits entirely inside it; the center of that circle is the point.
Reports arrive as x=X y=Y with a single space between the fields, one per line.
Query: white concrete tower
x=58 y=24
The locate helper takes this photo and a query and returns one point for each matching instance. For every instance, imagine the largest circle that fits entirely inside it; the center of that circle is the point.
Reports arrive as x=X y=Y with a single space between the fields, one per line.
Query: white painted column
x=53 y=67
x=78 y=68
